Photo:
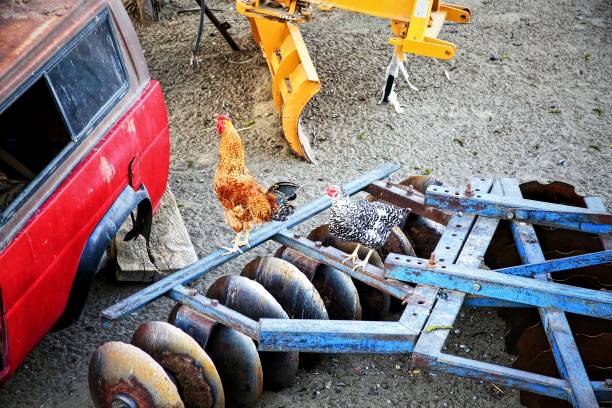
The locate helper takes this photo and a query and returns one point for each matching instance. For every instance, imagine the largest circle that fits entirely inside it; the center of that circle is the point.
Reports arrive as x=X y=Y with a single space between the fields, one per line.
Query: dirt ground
x=529 y=96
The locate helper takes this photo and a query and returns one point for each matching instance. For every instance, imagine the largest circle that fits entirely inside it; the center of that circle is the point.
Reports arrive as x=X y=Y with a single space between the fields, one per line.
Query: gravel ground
x=529 y=96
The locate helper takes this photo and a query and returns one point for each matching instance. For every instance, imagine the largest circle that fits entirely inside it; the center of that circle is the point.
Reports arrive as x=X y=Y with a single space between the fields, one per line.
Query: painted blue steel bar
x=520 y=209
x=335 y=336
x=558 y=265
x=479 y=301
x=453 y=239
x=512 y=378
x=259 y=236
x=556 y=326
x=501 y=286
x=215 y=311
x=445 y=311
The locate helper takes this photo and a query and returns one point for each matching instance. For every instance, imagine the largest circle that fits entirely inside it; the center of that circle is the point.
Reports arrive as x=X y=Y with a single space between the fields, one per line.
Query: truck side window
x=89 y=78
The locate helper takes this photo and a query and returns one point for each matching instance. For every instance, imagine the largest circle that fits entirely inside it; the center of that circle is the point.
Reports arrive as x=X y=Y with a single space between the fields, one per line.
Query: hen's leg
x=352 y=256
x=364 y=263
x=235 y=247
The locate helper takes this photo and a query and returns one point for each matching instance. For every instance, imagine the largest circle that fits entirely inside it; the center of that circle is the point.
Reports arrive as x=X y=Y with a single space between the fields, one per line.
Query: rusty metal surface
x=251 y=299
x=120 y=369
x=403 y=196
x=234 y=354
x=337 y=289
x=182 y=356
x=31 y=31
x=195 y=324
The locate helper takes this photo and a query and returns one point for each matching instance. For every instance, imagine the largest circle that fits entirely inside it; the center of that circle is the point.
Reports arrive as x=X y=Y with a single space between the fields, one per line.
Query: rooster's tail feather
x=283 y=192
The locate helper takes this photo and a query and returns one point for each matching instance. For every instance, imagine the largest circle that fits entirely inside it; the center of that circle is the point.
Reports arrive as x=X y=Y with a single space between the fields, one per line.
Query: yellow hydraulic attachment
x=415 y=25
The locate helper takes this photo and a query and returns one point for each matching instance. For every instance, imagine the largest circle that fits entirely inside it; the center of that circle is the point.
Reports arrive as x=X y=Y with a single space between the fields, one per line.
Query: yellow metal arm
x=415 y=25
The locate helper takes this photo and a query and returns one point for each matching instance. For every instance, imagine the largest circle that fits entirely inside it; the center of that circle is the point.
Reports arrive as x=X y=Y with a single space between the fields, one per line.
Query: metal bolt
x=509 y=215
x=318 y=244
x=432 y=259
x=608 y=383
x=389 y=184
x=296 y=235
x=410 y=190
x=214 y=302
x=469 y=191
x=192 y=292
x=459 y=214
x=476 y=286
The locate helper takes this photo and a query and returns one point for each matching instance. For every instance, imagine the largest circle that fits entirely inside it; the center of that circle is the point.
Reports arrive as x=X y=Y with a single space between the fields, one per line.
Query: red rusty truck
x=84 y=143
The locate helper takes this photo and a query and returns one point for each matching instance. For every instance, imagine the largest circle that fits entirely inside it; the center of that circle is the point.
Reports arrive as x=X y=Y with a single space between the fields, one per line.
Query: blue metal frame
x=432 y=306
x=519 y=209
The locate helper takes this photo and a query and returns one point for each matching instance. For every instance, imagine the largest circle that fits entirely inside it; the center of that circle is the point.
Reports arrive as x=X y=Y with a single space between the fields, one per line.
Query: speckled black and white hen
x=365 y=223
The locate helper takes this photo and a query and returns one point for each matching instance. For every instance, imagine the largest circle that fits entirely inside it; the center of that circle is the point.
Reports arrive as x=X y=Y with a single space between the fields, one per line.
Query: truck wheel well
x=106 y=229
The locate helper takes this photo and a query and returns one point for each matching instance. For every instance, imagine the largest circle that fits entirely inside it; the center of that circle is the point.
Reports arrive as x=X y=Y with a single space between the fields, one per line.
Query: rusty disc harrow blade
x=122 y=374
x=337 y=289
x=185 y=360
x=254 y=301
x=234 y=354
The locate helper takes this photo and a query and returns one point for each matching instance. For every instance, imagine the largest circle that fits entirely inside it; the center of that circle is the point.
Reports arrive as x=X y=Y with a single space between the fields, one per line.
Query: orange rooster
x=245 y=203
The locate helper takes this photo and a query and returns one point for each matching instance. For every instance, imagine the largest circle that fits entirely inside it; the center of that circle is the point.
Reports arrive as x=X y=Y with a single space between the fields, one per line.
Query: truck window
x=69 y=98
x=90 y=77
x=27 y=145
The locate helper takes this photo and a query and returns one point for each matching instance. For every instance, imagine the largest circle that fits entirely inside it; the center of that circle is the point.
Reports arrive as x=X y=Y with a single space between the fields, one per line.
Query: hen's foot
x=352 y=256
x=364 y=263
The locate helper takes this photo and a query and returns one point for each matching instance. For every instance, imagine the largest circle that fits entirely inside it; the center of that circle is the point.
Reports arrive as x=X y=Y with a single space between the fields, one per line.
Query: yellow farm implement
x=415 y=25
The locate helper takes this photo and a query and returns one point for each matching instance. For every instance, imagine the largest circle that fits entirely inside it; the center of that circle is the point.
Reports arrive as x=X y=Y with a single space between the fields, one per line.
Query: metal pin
x=432 y=259
x=214 y=302
x=296 y=235
x=509 y=215
x=476 y=286
x=318 y=244
x=389 y=184
x=410 y=190
x=469 y=191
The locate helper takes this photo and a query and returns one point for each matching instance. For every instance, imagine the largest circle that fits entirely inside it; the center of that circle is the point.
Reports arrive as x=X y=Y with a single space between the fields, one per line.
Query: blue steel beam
x=215 y=311
x=513 y=378
x=452 y=241
x=258 y=237
x=519 y=209
x=556 y=326
x=335 y=336
x=558 y=265
x=445 y=312
x=501 y=286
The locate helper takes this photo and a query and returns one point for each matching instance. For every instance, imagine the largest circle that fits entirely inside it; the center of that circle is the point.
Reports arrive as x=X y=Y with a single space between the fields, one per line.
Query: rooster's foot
x=232 y=250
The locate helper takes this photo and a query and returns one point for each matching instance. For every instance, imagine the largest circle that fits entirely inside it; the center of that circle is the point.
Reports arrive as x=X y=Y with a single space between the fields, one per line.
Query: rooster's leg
x=235 y=247
x=364 y=263
x=247 y=234
x=352 y=256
